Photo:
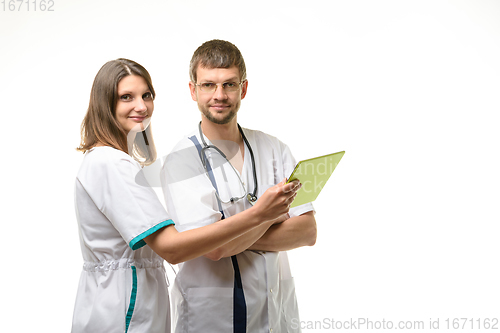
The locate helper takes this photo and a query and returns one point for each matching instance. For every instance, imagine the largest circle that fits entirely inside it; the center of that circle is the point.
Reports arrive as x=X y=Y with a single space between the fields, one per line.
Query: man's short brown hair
x=217 y=54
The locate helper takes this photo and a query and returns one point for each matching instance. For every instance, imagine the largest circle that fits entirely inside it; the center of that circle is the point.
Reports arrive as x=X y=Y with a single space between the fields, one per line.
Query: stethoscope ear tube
x=254 y=194
x=202 y=153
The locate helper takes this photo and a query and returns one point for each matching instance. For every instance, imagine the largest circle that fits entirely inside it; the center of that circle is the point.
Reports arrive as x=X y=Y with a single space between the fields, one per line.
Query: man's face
x=219 y=106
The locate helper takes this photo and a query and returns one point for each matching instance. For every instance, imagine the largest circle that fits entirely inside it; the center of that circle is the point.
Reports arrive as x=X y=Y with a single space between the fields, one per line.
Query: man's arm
x=295 y=232
x=242 y=242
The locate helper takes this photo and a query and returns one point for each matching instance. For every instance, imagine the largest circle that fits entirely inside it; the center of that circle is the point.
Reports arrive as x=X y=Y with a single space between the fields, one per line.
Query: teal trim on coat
x=133 y=297
x=139 y=242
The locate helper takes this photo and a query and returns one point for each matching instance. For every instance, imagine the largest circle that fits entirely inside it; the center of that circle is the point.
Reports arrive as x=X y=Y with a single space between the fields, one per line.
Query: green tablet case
x=313 y=174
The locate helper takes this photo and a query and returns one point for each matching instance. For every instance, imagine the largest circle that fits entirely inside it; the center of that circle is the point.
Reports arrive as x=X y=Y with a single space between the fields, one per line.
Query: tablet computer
x=313 y=174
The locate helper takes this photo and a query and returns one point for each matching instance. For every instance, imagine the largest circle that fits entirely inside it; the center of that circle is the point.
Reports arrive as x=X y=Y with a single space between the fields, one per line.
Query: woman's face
x=135 y=104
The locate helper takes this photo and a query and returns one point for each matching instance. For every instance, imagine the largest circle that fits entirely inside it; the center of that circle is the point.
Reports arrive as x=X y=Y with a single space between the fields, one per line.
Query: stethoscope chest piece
x=252 y=199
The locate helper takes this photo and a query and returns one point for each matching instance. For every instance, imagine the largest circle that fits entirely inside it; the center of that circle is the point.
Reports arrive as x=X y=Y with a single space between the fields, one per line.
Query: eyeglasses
x=210 y=87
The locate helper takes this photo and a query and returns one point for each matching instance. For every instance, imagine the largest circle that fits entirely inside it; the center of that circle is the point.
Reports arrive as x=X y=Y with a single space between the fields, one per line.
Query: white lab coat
x=122 y=286
x=202 y=295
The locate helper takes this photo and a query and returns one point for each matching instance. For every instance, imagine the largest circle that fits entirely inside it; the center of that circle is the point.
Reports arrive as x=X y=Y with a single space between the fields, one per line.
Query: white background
x=408 y=225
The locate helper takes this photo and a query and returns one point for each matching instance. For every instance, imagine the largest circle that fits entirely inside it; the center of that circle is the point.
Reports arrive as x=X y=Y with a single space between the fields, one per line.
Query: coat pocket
x=210 y=310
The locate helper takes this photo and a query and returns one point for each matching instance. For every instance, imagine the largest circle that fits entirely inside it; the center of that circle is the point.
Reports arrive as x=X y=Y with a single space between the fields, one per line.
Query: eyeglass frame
x=217 y=86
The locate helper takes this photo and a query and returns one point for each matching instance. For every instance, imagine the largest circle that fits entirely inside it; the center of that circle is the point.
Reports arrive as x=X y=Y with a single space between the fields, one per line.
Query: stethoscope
x=251 y=197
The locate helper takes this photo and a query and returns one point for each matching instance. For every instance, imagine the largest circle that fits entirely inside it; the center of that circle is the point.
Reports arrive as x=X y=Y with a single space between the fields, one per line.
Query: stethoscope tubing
x=253 y=195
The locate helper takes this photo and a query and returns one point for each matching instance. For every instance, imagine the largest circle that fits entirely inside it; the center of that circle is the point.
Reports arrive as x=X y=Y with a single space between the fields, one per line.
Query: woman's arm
x=177 y=247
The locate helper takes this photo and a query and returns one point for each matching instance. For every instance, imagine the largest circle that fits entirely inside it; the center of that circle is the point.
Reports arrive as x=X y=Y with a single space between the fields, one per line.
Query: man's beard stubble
x=223 y=121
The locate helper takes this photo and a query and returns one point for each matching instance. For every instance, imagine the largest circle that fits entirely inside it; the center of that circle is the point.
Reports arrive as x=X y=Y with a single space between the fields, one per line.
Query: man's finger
x=291 y=186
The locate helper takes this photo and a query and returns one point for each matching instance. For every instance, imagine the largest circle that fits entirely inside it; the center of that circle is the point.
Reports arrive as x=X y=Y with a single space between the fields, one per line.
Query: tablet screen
x=313 y=174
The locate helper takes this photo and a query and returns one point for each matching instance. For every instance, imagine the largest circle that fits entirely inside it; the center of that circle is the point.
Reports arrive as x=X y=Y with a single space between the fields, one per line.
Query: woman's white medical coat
x=122 y=286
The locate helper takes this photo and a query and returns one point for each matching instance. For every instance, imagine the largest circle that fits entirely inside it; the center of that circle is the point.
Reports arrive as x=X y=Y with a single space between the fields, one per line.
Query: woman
x=125 y=233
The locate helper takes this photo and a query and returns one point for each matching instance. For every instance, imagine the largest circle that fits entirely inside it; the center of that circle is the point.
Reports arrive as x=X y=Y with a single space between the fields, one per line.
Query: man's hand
x=276 y=201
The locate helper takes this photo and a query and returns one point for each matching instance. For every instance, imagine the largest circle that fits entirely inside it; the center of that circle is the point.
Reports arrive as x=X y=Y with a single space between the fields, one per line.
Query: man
x=218 y=172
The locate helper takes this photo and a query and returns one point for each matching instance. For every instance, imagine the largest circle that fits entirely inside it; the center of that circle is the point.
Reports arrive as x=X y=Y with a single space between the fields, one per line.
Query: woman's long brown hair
x=100 y=124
